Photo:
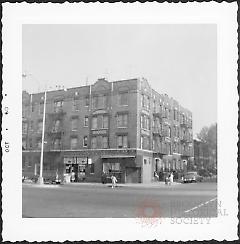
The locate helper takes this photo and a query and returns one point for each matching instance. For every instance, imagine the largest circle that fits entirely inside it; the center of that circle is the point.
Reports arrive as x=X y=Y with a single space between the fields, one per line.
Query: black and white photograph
x=121 y=122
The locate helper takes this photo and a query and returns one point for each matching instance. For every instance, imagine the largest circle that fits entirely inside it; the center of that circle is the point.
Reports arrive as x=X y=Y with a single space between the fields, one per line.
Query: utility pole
x=40 y=179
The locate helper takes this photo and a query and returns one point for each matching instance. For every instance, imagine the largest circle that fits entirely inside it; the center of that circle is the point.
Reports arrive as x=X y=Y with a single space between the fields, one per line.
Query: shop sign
x=99 y=132
x=69 y=161
x=82 y=160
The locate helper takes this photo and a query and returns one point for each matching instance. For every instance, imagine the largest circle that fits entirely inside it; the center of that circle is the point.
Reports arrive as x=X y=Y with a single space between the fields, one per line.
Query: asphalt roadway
x=82 y=200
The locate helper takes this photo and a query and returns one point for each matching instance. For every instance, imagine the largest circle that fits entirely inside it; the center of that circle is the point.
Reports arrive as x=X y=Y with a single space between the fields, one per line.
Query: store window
x=111 y=167
x=74 y=143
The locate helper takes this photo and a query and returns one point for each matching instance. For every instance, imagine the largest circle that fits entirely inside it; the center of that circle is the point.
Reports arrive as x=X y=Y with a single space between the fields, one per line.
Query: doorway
x=133 y=175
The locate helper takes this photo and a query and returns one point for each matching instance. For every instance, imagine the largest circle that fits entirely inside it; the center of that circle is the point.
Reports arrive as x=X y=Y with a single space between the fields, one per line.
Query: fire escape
x=55 y=130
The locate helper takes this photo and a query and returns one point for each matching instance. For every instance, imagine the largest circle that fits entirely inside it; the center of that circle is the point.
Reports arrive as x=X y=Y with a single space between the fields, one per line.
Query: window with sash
x=122 y=141
x=123 y=98
x=122 y=120
x=74 y=143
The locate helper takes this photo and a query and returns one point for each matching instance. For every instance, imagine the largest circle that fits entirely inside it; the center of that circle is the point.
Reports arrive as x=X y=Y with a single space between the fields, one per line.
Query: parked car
x=192 y=177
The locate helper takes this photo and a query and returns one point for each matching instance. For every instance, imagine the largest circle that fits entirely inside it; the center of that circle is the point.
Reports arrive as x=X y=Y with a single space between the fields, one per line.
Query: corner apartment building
x=122 y=127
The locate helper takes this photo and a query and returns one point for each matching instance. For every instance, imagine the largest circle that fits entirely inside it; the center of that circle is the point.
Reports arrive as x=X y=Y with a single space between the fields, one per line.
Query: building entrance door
x=133 y=175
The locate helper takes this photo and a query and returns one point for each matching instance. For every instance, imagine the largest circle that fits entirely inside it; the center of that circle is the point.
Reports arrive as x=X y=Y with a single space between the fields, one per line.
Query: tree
x=208 y=136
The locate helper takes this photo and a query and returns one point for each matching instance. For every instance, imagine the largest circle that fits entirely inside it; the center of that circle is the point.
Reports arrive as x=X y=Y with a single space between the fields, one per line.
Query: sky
x=180 y=60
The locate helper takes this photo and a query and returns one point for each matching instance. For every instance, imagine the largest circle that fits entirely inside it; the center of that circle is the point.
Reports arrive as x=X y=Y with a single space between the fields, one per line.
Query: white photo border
x=16 y=228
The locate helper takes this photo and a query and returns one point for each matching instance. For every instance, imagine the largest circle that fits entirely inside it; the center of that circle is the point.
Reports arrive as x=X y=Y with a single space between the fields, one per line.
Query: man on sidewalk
x=114 y=181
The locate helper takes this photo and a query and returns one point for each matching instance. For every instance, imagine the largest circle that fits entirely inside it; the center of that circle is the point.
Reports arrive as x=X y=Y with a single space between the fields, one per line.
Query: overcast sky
x=180 y=60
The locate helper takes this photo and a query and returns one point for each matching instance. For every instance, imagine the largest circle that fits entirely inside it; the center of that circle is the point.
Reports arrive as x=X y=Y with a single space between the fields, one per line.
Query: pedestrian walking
x=114 y=181
x=167 y=180
x=156 y=176
x=171 y=178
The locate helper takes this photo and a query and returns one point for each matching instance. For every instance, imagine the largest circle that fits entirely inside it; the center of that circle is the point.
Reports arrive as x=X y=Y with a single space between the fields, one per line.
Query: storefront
x=122 y=166
x=76 y=168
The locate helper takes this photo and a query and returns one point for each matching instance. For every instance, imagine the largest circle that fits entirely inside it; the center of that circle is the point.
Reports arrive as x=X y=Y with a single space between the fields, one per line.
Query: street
x=101 y=201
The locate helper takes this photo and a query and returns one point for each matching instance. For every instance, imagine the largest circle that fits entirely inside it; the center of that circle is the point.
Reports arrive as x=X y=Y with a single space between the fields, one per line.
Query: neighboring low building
x=122 y=127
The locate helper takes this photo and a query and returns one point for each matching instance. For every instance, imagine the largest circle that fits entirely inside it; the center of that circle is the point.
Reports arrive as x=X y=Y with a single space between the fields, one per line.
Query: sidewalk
x=79 y=184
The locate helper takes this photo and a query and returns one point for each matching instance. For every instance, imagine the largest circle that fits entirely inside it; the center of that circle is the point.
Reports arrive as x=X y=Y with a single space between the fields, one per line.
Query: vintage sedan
x=191 y=177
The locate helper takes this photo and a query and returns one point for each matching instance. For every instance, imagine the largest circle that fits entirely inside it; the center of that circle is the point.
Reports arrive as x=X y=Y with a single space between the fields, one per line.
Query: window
x=105 y=122
x=154 y=106
x=145 y=122
x=58 y=106
x=123 y=98
x=40 y=125
x=141 y=142
x=148 y=102
x=94 y=102
x=24 y=144
x=39 y=143
x=94 y=142
x=86 y=121
x=105 y=142
x=85 y=141
x=168 y=148
x=122 y=120
x=24 y=111
x=104 y=101
x=30 y=143
x=109 y=167
x=74 y=143
x=56 y=143
x=76 y=104
x=86 y=101
x=145 y=101
x=41 y=104
x=99 y=101
x=145 y=142
x=122 y=142
x=94 y=122
x=74 y=123
x=31 y=125
x=142 y=100
x=56 y=126
x=33 y=107
x=24 y=127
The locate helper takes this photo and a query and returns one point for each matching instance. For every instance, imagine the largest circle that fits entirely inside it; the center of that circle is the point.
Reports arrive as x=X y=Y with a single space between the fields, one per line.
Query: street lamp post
x=40 y=179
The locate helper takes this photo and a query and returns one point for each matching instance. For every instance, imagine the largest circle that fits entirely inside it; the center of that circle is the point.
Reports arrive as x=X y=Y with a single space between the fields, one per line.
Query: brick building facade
x=122 y=127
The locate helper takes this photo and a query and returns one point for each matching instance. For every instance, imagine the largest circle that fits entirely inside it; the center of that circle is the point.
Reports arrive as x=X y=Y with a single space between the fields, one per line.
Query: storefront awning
x=118 y=156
